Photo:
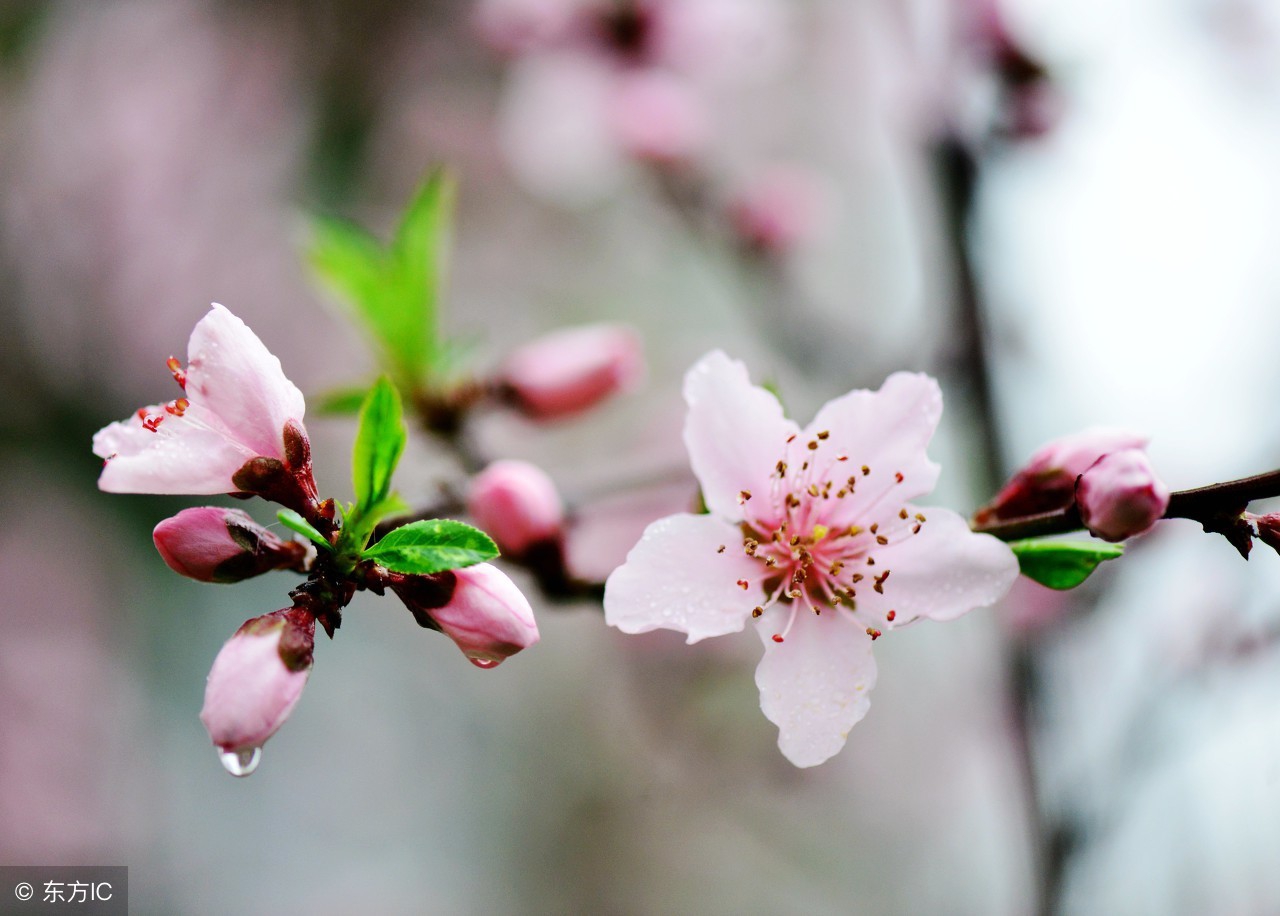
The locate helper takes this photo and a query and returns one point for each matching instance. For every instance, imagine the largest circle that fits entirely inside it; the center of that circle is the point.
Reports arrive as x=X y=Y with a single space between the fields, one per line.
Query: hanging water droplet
x=241 y=763
x=485 y=663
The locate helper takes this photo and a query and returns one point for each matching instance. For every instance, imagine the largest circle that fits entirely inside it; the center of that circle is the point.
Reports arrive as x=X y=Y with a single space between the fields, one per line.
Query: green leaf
x=432 y=546
x=296 y=522
x=1062 y=564
x=349 y=261
x=338 y=401
x=379 y=443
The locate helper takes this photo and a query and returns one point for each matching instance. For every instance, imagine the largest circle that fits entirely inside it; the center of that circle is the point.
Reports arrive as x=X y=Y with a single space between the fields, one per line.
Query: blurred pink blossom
x=775 y=210
x=803 y=521
x=517 y=504
x=1120 y=495
x=571 y=370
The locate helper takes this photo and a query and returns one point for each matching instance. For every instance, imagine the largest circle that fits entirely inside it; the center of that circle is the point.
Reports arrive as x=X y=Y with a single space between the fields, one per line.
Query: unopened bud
x=478 y=607
x=1120 y=496
x=570 y=370
x=257 y=678
x=1047 y=482
x=517 y=504
x=1268 y=527
x=213 y=544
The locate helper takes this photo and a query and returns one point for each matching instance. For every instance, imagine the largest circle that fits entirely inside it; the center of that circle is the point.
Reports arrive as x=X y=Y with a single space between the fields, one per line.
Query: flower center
x=818 y=530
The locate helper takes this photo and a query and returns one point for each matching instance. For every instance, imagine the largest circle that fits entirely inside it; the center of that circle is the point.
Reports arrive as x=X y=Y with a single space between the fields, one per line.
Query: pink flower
x=811 y=533
x=517 y=504
x=255 y=682
x=1120 y=496
x=1048 y=480
x=213 y=544
x=657 y=117
x=776 y=211
x=478 y=607
x=237 y=428
x=571 y=370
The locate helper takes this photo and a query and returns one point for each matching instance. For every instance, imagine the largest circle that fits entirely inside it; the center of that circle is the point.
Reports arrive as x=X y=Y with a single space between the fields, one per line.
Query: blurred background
x=1065 y=210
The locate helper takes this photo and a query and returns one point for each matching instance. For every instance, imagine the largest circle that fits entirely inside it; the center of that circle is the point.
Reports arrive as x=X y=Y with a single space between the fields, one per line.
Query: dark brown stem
x=1206 y=505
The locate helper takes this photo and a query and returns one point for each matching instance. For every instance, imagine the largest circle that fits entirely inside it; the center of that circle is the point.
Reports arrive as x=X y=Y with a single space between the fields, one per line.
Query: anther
x=824 y=434
x=865 y=470
x=903 y=514
x=812 y=445
x=770 y=561
x=805 y=466
x=791 y=438
x=175 y=367
x=855 y=530
x=871 y=561
x=757 y=611
x=857 y=577
x=915 y=529
x=743 y=496
x=891 y=616
x=743 y=584
x=813 y=489
x=871 y=631
x=720 y=549
x=920 y=517
x=875 y=526
x=881 y=540
x=841 y=493
x=777 y=637
x=898 y=477
x=794 y=593
x=781 y=468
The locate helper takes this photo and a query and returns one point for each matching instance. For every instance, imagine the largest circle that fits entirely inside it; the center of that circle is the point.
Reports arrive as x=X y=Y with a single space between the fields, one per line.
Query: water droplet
x=485 y=663
x=241 y=763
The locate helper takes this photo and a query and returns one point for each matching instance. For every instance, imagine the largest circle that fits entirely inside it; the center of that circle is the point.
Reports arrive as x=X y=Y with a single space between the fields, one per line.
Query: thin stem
x=1201 y=504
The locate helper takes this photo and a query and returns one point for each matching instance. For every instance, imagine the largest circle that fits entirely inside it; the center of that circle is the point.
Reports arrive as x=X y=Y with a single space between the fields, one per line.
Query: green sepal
x=432 y=546
x=295 y=522
x=1062 y=564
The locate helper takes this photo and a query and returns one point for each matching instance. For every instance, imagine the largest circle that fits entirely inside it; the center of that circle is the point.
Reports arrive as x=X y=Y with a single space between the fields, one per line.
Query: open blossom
x=237 y=426
x=812 y=534
x=255 y=682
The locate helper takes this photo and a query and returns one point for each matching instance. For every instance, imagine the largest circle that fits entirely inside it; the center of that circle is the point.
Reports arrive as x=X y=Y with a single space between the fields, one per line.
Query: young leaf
x=1062 y=564
x=379 y=442
x=337 y=401
x=431 y=547
x=296 y=522
x=416 y=271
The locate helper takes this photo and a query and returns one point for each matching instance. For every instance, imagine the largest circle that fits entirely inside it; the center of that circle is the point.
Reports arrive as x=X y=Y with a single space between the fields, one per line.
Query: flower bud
x=517 y=504
x=256 y=680
x=1047 y=482
x=213 y=544
x=478 y=607
x=571 y=370
x=1120 y=496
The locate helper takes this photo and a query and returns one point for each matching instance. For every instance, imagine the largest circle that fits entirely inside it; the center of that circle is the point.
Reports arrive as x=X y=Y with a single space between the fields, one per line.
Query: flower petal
x=942 y=572
x=735 y=432
x=815 y=686
x=187 y=454
x=232 y=373
x=676 y=578
x=888 y=431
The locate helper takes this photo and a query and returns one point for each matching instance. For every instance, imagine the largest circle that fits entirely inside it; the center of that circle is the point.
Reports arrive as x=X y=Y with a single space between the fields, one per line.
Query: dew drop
x=485 y=663
x=241 y=763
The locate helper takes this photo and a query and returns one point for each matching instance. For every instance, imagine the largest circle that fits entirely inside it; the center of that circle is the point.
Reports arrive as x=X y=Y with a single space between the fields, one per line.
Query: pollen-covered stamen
x=152 y=421
x=177 y=407
x=179 y=375
x=791 y=620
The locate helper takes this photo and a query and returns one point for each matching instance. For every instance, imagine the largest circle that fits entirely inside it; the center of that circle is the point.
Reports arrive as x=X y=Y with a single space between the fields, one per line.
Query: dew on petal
x=242 y=762
x=485 y=663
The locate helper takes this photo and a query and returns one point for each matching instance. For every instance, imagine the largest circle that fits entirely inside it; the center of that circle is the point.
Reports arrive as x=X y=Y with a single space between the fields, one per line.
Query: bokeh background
x=1068 y=211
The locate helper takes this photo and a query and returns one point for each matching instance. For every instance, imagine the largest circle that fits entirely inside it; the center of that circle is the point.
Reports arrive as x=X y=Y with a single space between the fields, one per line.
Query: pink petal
x=232 y=373
x=815 y=686
x=675 y=578
x=735 y=433
x=942 y=572
x=188 y=454
x=887 y=431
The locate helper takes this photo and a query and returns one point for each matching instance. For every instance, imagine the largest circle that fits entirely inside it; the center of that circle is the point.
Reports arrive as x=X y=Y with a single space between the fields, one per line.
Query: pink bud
x=1047 y=482
x=478 y=607
x=1120 y=496
x=256 y=680
x=570 y=370
x=213 y=544
x=775 y=211
x=657 y=118
x=517 y=504
x=515 y=27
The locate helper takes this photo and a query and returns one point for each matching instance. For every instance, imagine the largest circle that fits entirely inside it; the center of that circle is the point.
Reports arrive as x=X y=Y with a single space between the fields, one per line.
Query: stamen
x=865 y=470
x=781 y=468
x=786 y=631
x=873 y=633
x=743 y=496
x=824 y=434
x=743 y=584
x=813 y=445
x=891 y=616
x=757 y=611
x=903 y=514
x=720 y=549
x=898 y=477
x=175 y=367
